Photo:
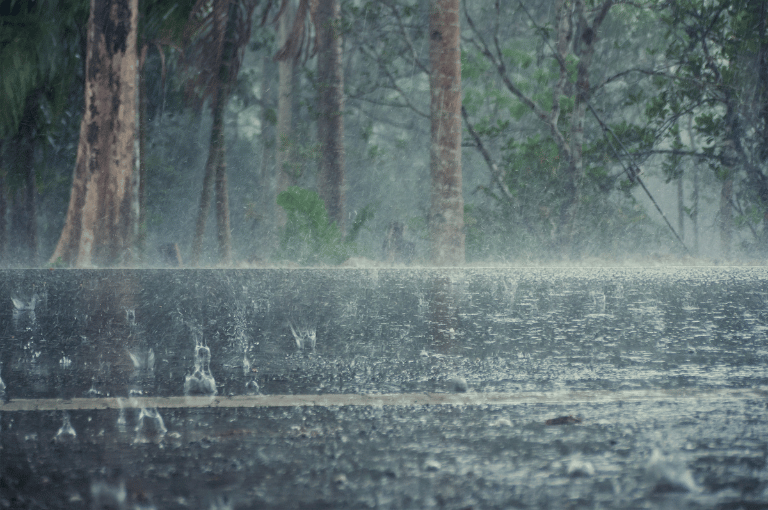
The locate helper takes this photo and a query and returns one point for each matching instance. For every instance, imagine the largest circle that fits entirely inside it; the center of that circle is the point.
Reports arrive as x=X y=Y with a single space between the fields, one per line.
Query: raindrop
x=2 y=388
x=121 y=421
x=669 y=474
x=21 y=306
x=458 y=384
x=252 y=387
x=93 y=392
x=150 y=426
x=580 y=467
x=24 y=310
x=304 y=337
x=66 y=432
x=65 y=362
x=201 y=381
x=104 y=495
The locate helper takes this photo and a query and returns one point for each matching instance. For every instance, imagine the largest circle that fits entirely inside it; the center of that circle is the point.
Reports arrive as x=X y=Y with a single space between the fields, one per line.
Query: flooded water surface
x=384 y=388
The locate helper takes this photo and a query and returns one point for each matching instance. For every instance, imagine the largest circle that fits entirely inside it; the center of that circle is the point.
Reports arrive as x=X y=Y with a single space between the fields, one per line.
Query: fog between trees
x=568 y=108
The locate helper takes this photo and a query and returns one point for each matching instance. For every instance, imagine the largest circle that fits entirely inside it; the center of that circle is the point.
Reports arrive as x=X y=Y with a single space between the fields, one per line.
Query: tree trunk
x=695 y=211
x=446 y=214
x=215 y=178
x=101 y=225
x=285 y=174
x=680 y=208
x=207 y=194
x=25 y=205
x=141 y=241
x=223 y=226
x=3 y=212
x=264 y=235
x=330 y=123
x=726 y=217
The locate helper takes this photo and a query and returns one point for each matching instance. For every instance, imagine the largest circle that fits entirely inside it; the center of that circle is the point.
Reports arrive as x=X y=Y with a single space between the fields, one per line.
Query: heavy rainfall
x=383 y=254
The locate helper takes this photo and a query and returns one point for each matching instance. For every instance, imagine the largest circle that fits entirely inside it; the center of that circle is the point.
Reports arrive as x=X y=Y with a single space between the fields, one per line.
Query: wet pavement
x=663 y=370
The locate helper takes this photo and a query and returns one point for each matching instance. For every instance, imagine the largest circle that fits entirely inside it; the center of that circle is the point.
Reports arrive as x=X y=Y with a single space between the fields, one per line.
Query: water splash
x=121 y=421
x=93 y=392
x=150 y=427
x=669 y=474
x=252 y=387
x=104 y=495
x=143 y=362
x=66 y=432
x=24 y=312
x=304 y=337
x=201 y=381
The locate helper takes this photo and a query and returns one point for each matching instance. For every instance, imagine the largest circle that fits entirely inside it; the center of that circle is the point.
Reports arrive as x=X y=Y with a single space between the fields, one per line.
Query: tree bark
x=284 y=146
x=446 y=214
x=215 y=178
x=211 y=164
x=726 y=217
x=680 y=208
x=101 y=225
x=25 y=204
x=330 y=123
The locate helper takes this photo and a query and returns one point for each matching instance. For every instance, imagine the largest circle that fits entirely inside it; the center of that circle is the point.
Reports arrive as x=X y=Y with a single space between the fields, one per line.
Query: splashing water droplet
x=121 y=421
x=201 y=381
x=252 y=387
x=304 y=337
x=150 y=426
x=104 y=495
x=66 y=432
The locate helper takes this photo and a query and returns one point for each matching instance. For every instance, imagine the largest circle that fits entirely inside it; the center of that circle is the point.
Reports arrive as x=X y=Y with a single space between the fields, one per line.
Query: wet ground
x=663 y=370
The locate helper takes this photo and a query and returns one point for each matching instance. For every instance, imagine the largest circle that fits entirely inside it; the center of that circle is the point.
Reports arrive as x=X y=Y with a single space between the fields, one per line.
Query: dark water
x=551 y=331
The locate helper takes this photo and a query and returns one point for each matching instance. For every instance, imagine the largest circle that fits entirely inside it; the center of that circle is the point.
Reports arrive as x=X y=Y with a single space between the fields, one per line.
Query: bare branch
x=407 y=38
x=393 y=82
x=495 y=172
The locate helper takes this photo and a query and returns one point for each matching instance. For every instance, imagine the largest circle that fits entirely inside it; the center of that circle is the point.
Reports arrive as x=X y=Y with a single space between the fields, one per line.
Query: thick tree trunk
x=141 y=241
x=330 y=123
x=446 y=214
x=284 y=146
x=101 y=225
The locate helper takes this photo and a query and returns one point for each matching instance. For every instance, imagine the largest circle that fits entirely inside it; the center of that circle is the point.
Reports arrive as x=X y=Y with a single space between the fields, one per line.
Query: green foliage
x=309 y=236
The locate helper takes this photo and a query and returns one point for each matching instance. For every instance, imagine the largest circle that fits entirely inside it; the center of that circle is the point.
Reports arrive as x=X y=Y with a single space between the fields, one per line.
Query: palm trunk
x=223 y=227
x=330 y=123
x=211 y=165
x=101 y=225
x=446 y=214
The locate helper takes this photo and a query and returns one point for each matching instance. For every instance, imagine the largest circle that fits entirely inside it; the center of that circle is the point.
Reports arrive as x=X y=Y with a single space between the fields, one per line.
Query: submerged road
x=392 y=399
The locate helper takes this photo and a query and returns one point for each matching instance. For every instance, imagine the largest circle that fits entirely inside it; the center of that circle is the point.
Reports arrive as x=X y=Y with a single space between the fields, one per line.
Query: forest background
x=575 y=113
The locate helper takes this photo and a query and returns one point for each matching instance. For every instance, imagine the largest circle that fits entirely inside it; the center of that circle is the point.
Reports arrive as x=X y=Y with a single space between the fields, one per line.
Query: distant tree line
x=316 y=130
